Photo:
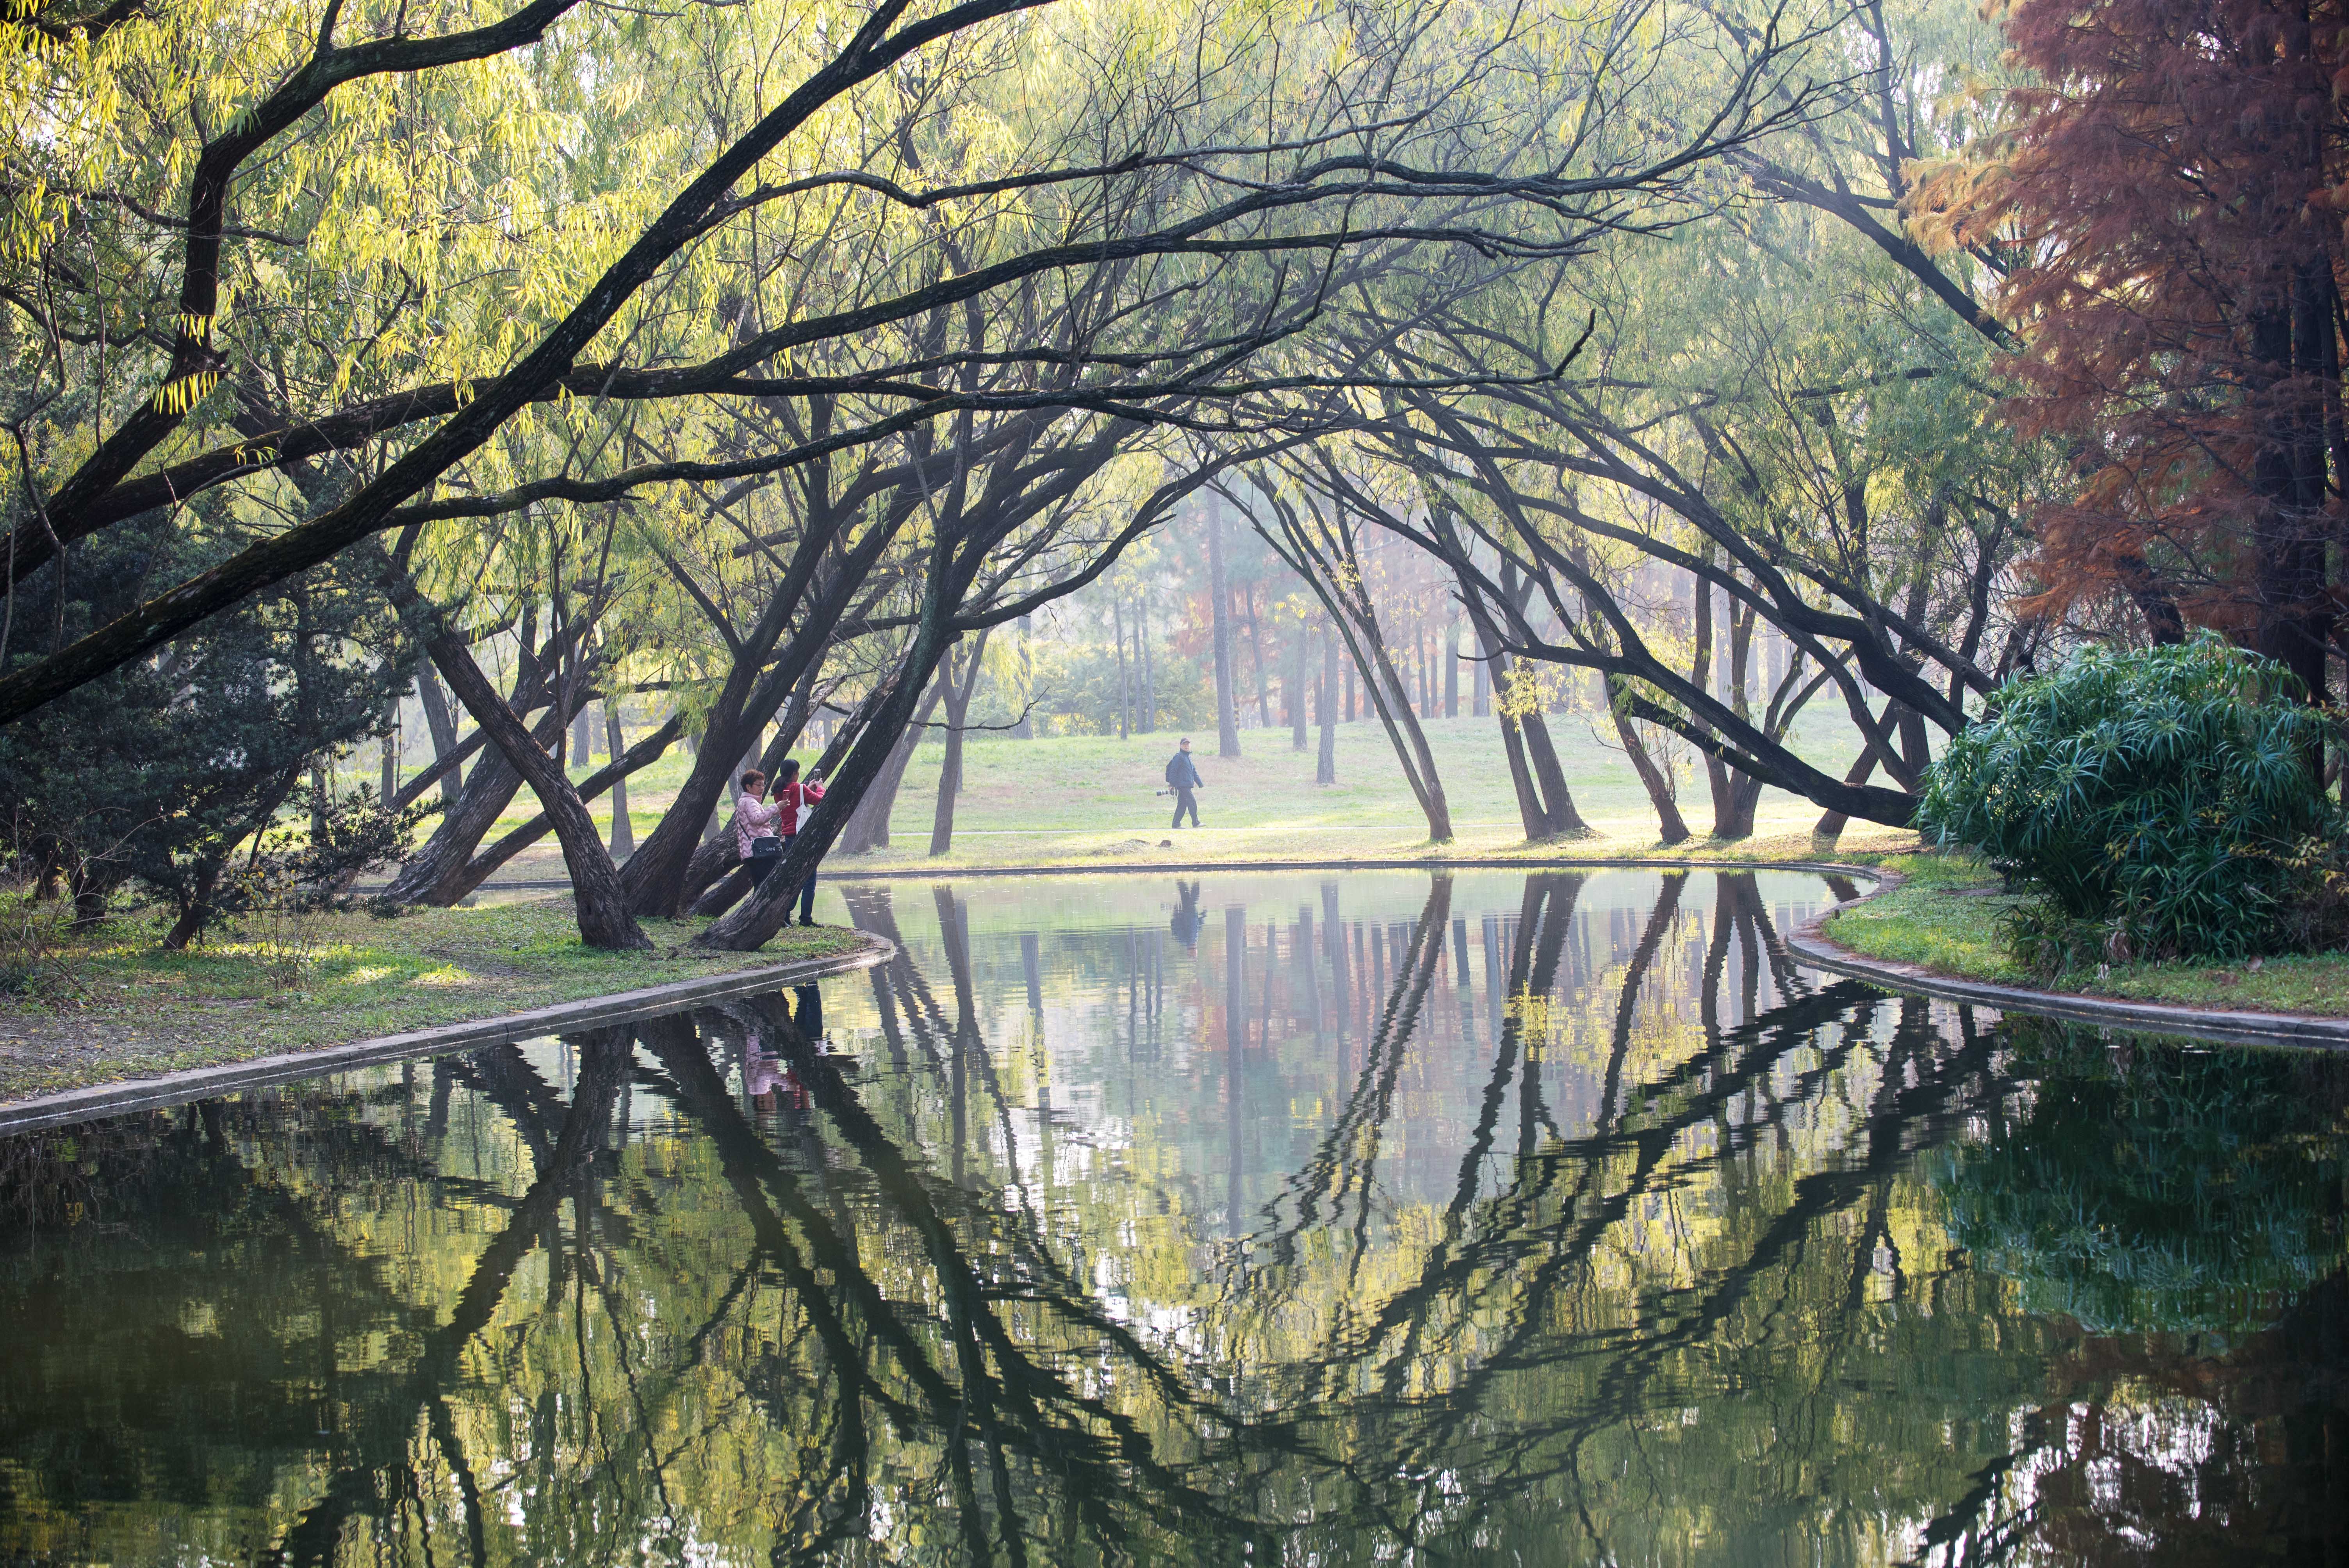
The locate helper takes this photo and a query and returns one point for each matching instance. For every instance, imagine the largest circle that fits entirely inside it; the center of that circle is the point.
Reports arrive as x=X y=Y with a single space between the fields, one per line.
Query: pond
x=1249 y=1218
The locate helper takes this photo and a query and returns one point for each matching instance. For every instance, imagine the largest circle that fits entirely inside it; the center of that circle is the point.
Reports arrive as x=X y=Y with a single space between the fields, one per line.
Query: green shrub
x=2164 y=795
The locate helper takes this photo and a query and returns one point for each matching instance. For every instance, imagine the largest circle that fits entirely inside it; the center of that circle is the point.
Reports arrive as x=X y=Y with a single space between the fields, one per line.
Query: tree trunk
x=390 y=784
x=1544 y=806
x=443 y=726
x=1565 y=820
x=1452 y=670
x=1255 y=649
x=1325 y=764
x=1227 y=730
x=624 y=832
x=1025 y=729
x=958 y=694
x=1390 y=698
x=601 y=909
x=710 y=863
x=485 y=865
x=1671 y=828
x=1148 y=668
x=434 y=875
x=867 y=827
x=1831 y=826
x=1117 y=634
x=197 y=910
x=763 y=914
x=1531 y=814
x=1297 y=717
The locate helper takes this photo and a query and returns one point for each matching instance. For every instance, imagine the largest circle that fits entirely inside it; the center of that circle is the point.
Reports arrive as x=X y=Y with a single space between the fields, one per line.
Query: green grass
x=1945 y=918
x=131 y=1010
x=1092 y=799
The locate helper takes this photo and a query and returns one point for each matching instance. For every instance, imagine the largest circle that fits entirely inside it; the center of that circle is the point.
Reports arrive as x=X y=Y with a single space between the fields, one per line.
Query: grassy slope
x=141 y=1010
x=1946 y=918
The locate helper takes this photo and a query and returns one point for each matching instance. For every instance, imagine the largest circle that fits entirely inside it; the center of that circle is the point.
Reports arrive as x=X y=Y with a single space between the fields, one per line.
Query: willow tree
x=1741 y=454
x=470 y=263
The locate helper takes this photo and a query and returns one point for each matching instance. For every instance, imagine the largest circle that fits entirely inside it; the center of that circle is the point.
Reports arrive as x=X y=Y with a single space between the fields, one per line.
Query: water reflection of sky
x=1251 y=1217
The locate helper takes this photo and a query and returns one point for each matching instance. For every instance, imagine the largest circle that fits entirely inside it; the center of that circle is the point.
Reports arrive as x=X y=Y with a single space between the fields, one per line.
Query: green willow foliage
x=2166 y=792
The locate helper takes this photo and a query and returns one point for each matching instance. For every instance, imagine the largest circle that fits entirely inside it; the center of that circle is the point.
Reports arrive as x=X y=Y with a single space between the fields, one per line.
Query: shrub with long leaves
x=2166 y=792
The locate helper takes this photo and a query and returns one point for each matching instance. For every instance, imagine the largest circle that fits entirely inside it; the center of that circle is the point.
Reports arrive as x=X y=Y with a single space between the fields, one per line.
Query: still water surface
x=1251 y=1219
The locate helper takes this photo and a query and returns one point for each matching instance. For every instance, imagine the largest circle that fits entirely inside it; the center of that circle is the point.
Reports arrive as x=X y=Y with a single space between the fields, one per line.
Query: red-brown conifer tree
x=2171 y=194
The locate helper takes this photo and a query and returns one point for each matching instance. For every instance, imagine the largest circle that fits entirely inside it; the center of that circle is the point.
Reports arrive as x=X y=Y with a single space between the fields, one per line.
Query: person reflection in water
x=1188 y=918
x=764 y=1074
x=809 y=1013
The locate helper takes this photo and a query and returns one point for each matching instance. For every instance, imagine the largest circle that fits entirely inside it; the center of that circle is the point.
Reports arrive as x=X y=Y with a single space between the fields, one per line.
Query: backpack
x=1174 y=777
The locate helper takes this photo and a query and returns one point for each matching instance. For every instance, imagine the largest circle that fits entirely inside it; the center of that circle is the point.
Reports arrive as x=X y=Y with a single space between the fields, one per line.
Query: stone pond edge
x=68 y=1106
x=1809 y=943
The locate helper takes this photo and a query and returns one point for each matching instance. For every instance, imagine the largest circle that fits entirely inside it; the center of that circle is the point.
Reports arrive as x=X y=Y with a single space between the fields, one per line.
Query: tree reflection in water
x=1546 y=1218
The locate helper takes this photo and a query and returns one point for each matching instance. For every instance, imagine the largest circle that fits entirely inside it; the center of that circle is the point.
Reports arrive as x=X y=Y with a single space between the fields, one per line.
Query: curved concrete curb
x=1809 y=943
x=593 y=1012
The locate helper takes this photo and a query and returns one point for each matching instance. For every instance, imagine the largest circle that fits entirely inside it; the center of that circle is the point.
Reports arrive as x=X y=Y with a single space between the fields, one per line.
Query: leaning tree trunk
x=1671 y=828
x=957 y=695
x=758 y=917
x=435 y=873
x=1565 y=820
x=1533 y=811
x=1832 y=824
x=484 y=865
x=602 y=911
x=1383 y=688
x=867 y=827
x=443 y=726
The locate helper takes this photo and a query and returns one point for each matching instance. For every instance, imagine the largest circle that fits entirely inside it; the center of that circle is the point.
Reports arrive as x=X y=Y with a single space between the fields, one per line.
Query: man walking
x=1184 y=775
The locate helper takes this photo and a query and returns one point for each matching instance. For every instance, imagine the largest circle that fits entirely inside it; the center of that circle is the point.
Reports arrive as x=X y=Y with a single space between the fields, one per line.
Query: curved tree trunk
x=1388 y=698
x=435 y=873
x=1832 y=824
x=1565 y=821
x=601 y=909
x=1671 y=828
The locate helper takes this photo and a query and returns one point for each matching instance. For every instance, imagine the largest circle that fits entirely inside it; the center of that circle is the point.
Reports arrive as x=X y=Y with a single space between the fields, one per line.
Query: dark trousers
x=1186 y=801
x=807 y=890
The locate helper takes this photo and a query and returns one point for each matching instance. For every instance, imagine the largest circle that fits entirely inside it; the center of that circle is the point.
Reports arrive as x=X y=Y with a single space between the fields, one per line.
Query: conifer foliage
x=2169 y=195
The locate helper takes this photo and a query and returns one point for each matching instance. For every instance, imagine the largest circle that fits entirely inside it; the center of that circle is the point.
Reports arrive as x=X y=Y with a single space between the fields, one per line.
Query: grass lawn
x=1091 y=799
x=136 y=1010
x=1946 y=918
